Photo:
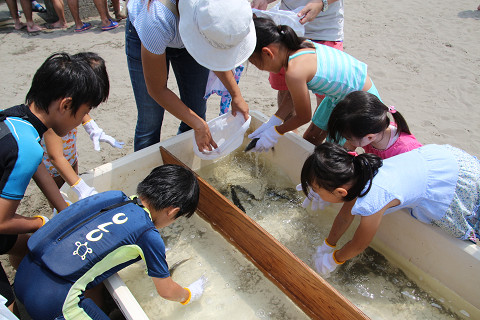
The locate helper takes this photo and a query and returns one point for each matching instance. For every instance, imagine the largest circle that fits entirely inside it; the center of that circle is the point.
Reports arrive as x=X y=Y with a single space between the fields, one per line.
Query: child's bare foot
x=19 y=25
x=34 y=27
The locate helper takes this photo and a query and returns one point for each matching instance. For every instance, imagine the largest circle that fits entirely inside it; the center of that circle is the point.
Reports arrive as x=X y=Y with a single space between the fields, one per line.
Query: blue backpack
x=73 y=241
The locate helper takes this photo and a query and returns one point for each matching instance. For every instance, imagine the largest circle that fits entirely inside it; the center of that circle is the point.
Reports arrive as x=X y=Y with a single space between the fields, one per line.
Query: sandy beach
x=424 y=58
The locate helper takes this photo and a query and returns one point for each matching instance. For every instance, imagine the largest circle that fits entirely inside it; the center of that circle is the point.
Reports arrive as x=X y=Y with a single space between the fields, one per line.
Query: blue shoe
x=85 y=27
x=111 y=26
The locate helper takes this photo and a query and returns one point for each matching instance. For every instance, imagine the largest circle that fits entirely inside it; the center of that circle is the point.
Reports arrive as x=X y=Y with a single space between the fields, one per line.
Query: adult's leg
x=59 y=8
x=149 y=112
x=102 y=9
x=192 y=80
x=117 y=11
x=13 y=8
x=73 y=6
x=27 y=10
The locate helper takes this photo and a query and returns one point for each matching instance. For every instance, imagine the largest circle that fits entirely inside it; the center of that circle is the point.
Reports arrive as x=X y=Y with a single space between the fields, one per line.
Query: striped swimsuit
x=338 y=74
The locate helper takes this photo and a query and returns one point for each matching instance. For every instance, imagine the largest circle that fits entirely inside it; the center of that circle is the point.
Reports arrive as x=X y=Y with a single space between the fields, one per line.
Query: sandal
x=111 y=26
x=85 y=27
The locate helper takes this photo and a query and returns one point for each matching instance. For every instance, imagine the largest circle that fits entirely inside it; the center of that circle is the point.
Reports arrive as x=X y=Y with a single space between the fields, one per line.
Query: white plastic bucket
x=227 y=131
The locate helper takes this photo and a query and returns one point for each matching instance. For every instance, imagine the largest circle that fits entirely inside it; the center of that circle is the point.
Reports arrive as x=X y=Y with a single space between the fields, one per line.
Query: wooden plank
x=301 y=284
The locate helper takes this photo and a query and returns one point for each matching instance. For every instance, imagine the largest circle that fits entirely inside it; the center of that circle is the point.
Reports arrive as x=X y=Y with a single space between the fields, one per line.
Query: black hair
x=331 y=167
x=361 y=113
x=62 y=76
x=268 y=32
x=98 y=65
x=171 y=186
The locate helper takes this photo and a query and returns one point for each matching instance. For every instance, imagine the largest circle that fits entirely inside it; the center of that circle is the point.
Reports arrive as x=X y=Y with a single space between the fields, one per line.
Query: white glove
x=325 y=248
x=97 y=135
x=83 y=190
x=196 y=290
x=267 y=140
x=55 y=212
x=272 y=122
x=313 y=198
x=325 y=263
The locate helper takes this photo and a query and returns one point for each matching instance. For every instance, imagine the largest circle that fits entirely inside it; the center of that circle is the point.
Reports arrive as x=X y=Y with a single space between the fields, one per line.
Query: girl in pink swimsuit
x=363 y=120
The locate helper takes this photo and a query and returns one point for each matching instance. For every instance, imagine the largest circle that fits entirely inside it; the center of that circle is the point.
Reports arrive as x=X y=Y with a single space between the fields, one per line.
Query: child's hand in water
x=196 y=289
x=325 y=248
x=314 y=199
x=325 y=263
x=267 y=140
x=273 y=121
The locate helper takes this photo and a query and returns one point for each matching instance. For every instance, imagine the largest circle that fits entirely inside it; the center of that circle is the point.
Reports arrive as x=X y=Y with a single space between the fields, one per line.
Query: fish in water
x=176 y=265
x=235 y=199
x=251 y=144
x=245 y=191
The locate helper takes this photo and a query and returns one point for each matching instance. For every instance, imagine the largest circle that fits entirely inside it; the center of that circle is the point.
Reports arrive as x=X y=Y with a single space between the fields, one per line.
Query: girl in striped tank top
x=309 y=66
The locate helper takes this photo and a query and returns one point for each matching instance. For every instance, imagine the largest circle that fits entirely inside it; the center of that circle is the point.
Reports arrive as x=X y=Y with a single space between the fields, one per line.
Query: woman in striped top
x=309 y=66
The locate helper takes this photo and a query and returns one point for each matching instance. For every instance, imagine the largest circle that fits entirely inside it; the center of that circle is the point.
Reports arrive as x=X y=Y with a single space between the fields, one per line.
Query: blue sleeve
x=20 y=157
x=153 y=249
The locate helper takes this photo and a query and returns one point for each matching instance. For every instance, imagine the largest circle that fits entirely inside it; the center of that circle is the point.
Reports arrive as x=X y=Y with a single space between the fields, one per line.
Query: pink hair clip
x=392 y=109
x=352 y=153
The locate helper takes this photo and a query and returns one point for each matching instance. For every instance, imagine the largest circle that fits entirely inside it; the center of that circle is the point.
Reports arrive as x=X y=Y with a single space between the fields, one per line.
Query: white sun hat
x=228 y=132
x=219 y=34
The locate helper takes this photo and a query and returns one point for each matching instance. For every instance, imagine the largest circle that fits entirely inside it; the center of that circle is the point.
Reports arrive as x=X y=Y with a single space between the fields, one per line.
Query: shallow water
x=237 y=289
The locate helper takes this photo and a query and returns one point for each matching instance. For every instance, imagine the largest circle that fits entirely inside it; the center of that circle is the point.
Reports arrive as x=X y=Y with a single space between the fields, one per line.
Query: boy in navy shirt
x=95 y=237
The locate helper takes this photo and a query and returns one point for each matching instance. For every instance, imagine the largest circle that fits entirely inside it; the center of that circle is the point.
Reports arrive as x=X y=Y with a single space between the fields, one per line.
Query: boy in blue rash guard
x=93 y=242
x=63 y=90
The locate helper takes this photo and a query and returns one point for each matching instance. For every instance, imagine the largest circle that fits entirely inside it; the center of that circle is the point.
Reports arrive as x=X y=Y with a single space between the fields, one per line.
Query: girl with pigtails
x=438 y=184
x=363 y=120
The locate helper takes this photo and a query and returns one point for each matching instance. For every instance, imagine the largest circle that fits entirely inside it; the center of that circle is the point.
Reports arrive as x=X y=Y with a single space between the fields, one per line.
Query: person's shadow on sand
x=474 y=14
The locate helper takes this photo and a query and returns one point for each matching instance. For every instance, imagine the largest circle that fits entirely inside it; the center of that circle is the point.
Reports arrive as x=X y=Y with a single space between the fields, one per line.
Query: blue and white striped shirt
x=156 y=25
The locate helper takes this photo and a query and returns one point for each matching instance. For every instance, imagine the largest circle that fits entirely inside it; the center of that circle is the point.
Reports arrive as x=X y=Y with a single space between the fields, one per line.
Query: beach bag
x=73 y=241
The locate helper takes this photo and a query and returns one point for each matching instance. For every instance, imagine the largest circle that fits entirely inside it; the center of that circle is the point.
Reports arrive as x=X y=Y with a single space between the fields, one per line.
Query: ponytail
x=268 y=32
x=366 y=167
x=400 y=121
x=331 y=167
x=361 y=113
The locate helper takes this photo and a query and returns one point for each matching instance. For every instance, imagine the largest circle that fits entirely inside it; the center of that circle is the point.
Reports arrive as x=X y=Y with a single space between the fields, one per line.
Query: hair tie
x=352 y=153
x=391 y=109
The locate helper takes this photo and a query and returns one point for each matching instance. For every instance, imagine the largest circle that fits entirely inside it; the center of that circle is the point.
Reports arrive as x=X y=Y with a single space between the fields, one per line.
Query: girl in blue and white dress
x=438 y=184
